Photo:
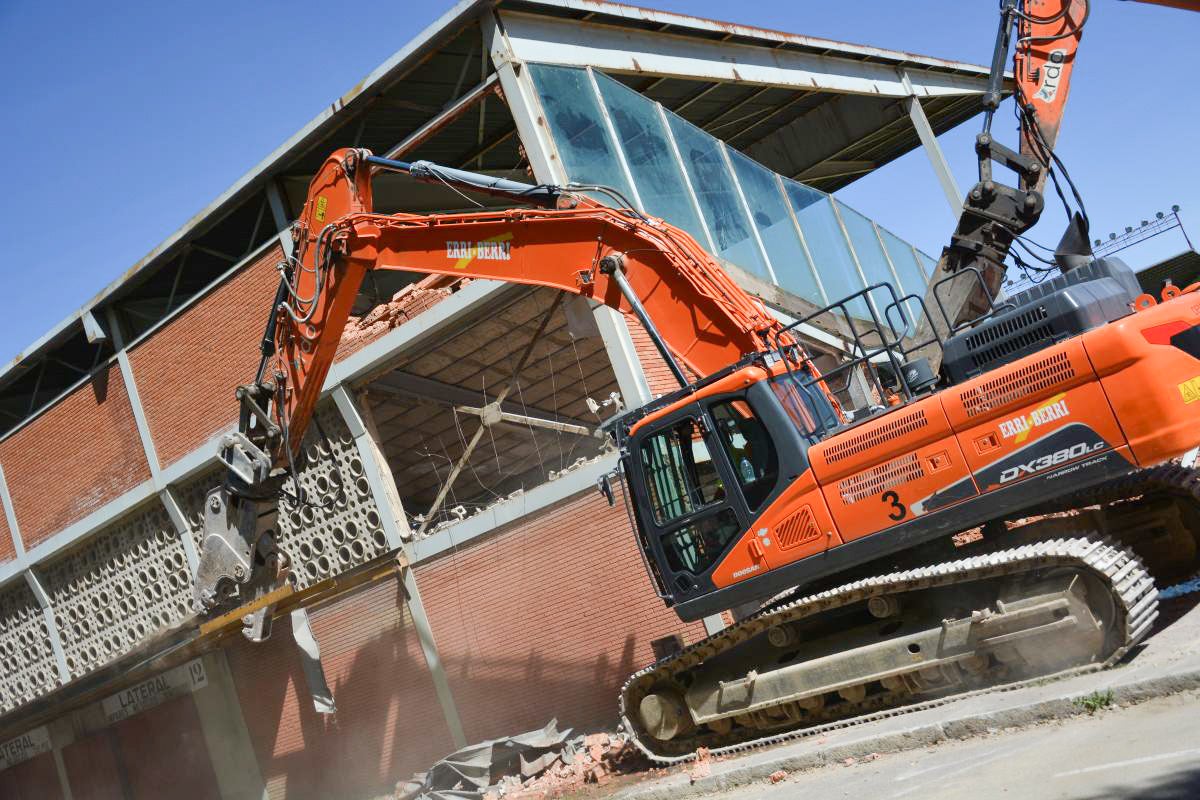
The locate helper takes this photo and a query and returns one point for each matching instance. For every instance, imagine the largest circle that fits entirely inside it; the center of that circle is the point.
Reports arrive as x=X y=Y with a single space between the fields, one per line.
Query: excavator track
x=985 y=646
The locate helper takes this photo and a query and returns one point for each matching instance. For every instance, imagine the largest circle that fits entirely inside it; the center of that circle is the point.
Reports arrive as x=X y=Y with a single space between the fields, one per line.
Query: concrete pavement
x=1151 y=750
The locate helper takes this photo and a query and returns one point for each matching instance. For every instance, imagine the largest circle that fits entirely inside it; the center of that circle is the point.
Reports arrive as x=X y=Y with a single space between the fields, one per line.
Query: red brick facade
x=388 y=723
x=35 y=779
x=658 y=374
x=545 y=618
x=187 y=370
x=73 y=458
x=8 y=550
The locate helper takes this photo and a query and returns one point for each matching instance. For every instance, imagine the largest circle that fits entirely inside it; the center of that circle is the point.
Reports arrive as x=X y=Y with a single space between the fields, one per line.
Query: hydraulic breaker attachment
x=238 y=556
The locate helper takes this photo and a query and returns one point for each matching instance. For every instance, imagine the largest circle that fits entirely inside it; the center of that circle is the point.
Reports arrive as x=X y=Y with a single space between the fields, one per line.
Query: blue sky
x=122 y=120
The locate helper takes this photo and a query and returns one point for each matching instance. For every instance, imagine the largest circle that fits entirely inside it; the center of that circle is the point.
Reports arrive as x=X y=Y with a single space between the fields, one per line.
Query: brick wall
x=187 y=370
x=545 y=619
x=658 y=374
x=69 y=461
x=388 y=723
x=92 y=767
x=35 y=779
x=8 y=550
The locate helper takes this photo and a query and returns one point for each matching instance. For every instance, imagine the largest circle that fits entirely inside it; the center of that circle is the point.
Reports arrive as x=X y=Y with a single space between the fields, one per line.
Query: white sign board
x=24 y=747
x=184 y=679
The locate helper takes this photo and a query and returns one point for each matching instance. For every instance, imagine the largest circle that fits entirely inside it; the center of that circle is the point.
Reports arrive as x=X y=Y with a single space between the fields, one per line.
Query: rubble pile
x=538 y=765
x=590 y=760
x=405 y=304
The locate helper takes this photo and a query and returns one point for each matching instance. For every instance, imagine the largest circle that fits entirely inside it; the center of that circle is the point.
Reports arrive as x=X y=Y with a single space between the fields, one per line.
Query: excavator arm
x=698 y=318
x=1047 y=35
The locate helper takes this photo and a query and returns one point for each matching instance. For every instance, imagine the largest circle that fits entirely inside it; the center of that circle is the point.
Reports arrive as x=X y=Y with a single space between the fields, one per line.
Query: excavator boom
x=645 y=268
x=699 y=319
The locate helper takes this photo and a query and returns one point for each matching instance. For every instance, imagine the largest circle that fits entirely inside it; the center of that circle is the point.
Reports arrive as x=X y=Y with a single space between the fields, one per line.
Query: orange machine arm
x=704 y=318
x=1048 y=34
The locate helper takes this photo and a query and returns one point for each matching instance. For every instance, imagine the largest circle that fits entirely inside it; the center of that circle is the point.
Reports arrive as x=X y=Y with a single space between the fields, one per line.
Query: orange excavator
x=997 y=506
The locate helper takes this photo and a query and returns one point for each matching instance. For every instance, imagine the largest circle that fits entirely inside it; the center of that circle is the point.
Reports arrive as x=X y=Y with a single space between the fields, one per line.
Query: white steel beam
x=227 y=739
x=174 y=508
x=523 y=103
x=933 y=151
x=135 y=400
x=43 y=601
x=647 y=52
x=10 y=515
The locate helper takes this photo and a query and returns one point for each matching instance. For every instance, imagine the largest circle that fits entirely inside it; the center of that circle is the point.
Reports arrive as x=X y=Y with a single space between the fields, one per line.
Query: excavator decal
x=496 y=248
x=1054 y=449
x=1019 y=428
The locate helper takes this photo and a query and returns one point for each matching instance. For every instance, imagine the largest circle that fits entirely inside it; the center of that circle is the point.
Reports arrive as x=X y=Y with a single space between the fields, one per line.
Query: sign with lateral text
x=177 y=682
x=24 y=747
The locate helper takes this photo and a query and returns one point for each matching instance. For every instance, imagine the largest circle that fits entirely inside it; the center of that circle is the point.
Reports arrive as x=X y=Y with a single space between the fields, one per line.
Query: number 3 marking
x=898 y=509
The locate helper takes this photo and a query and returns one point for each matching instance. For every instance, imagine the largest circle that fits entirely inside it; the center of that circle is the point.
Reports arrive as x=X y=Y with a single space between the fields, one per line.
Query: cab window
x=696 y=546
x=680 y=475
x=749 y=448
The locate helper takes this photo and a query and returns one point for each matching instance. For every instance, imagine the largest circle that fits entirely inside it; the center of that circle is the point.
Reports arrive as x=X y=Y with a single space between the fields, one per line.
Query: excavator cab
x=711 y=459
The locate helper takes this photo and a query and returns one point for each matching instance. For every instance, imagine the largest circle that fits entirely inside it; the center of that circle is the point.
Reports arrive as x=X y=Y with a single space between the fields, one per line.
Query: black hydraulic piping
x=428 y=172
x=995 y=89
x=611 y=266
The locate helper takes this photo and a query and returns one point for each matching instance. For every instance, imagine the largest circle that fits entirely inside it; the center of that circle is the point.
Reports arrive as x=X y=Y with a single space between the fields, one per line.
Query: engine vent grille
x=800 y=528
x=1022 y=331
x=896 y=472
x=901 y=425
x=1032 y=379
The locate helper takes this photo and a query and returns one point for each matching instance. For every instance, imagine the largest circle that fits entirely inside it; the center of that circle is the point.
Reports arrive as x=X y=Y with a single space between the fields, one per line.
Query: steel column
x=223 y=725
x=395 y=524
x=43 y=601
x=169 y=501
x=135 y=401
x=10 y=514
x=60 y=767
x=522 y=101
x=175 y=511
x=932 y=149
x=279 y=213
